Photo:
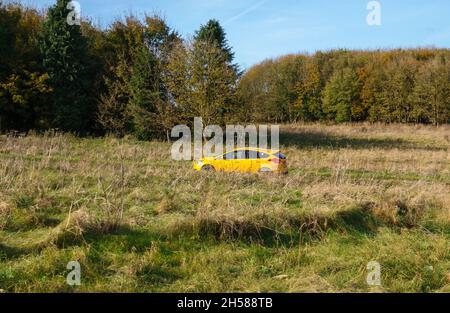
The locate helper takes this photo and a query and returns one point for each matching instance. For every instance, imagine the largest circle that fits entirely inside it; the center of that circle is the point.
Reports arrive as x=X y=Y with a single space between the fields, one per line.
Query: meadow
x=137 y=221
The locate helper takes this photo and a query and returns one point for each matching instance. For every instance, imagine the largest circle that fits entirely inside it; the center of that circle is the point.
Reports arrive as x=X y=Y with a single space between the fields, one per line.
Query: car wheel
x=207 y=168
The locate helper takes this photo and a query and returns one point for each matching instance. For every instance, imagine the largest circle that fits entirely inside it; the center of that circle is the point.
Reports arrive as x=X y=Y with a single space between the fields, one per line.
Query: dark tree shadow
x=358 y=220
x=316 y=139
x=9 y=252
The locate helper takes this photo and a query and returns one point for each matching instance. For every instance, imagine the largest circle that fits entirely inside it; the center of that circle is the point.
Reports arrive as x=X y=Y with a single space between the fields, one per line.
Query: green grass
x=351 y=197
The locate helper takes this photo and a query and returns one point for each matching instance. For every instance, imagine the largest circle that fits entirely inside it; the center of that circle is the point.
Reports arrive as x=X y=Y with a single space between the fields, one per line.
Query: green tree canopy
x=201 y=82
x=342 y=96
x=23 y=82
x=65 y=58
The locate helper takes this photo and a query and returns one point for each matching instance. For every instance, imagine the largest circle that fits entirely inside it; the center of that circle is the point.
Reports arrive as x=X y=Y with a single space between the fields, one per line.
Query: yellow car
x=245 y=160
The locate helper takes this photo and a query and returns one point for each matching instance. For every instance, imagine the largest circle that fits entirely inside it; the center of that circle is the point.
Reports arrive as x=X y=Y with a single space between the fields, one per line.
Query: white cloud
x=245 y=12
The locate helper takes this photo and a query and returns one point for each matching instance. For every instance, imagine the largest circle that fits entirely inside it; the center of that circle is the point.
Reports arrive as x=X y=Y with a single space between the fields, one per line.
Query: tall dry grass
x=358 y=181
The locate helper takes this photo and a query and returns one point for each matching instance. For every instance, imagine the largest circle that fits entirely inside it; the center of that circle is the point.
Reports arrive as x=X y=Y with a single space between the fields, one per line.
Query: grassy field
x=137 y=221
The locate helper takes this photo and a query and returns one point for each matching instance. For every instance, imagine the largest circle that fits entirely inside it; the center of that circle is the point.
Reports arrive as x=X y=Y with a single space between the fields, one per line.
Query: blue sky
x=260 y=29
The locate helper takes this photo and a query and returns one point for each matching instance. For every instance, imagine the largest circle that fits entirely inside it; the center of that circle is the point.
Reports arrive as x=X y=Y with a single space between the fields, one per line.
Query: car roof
x=269 y=151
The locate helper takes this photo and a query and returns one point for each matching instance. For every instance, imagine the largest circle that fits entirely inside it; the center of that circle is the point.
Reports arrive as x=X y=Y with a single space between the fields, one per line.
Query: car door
x=227 y=163
x=243 y=162
x=254 y=161
x=261 y=161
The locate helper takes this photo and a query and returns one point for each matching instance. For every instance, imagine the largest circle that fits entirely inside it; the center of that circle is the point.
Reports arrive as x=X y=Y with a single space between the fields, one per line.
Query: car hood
x=206 y=159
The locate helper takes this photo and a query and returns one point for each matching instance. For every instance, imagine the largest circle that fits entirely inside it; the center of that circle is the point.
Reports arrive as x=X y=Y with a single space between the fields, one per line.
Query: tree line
x=390 y=86
x=139 y=77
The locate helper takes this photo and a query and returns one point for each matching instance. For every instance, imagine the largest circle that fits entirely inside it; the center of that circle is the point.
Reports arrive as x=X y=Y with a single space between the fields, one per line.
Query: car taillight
x=276 y=161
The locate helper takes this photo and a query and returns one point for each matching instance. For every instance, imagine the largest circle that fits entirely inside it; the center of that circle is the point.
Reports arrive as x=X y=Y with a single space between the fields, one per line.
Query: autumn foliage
x=139 y=77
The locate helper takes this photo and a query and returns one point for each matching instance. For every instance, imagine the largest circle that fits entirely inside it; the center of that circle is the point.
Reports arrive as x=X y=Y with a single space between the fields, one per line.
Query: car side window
x=229 y=156
x=252 y=155
x=241 y=155
x=262 y=155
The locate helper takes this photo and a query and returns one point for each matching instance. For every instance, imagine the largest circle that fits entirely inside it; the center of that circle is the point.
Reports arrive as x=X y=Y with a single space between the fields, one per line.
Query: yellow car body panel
x=245 y=160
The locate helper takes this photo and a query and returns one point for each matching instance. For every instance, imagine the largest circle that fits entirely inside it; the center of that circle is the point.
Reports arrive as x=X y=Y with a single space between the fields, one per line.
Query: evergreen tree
x=215 y=33
x=63 y=48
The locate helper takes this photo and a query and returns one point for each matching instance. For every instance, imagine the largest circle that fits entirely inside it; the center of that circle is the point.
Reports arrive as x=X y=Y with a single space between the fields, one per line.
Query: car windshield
x=280 y=155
